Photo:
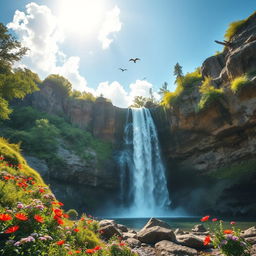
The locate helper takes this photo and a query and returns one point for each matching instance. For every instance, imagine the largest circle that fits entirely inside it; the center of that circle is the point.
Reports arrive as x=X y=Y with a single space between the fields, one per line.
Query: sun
x=82 y=17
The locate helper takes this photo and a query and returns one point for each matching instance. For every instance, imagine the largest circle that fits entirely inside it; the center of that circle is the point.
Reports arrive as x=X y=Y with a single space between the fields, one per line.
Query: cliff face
x=216 y=148
x=104 y=120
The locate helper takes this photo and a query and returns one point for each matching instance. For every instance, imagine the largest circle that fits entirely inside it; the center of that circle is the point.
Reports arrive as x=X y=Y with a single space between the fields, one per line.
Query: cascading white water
x=143 y=182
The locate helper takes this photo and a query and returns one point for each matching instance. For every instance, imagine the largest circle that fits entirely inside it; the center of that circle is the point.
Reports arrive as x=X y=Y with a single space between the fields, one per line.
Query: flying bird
x=134 y=60
x=123 y=69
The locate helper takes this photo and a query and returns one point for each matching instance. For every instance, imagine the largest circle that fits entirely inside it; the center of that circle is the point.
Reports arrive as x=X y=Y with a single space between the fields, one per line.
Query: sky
x=87 y=41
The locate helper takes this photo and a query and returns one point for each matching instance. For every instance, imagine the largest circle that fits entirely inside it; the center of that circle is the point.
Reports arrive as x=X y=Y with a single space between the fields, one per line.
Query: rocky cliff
x=211 y=153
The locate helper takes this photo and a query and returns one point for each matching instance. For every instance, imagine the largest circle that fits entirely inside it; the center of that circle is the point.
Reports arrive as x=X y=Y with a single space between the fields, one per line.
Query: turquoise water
x=185 y=223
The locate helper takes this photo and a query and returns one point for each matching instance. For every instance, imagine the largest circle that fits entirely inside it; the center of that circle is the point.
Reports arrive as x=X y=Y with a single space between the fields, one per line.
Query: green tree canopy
x=178 y=71
x=61 y=84
x=163 y=89
x=17 y=83
x=10 y=49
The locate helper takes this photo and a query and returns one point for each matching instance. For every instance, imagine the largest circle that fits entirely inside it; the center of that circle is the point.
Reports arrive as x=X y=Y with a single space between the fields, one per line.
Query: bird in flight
x=134 y=60
x=123 y=69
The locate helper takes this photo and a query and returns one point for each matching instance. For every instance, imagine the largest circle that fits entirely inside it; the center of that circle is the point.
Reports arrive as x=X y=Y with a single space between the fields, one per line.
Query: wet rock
x=251 y=240
x=145 y=251
x=104 y=223
x=168 y=248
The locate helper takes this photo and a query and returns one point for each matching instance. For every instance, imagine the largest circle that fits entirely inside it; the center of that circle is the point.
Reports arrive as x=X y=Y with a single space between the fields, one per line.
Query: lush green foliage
x=12 y=84
x=185 y=85
x=10 y=49
x=177 y=71
x=32 y=221
x=39 y=134
x=229 y=241
x=240 y=82
x=83 y=95
x=61 y=85
x=235 y=26
x=209 y=94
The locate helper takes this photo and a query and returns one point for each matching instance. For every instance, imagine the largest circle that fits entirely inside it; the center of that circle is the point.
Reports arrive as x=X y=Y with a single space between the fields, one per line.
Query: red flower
x=207 y=240
x=60 y=221
x=122 y=244
x=232 y=223
x=77 y=251
x=228 y=231
x=89 y=251
x=39 y=218
x=61 y=242
x=41 y=190
x=60 y=204
x=21 y=216
x=70 y=253
x=65 y=215
x=57 y=212
x=82 y=219
x=6 y=177
x=11 y=229
x=96 y=248
x=76 y=229
x=215 y=219
x=205 y=218
x=5 y=217
x=89 y=221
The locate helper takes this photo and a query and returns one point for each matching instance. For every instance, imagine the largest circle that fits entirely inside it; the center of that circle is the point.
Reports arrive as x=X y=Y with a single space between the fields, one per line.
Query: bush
x=240 y=82
x=185 y=85
x=73 y=214
x=209 y=94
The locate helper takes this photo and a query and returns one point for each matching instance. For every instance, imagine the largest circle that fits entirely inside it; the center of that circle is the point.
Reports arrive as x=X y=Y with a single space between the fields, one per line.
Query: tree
x=61 y=84
x=15 y=84
x=10 y=49
x=178 y=72
x=163 y=89
x=139 y=102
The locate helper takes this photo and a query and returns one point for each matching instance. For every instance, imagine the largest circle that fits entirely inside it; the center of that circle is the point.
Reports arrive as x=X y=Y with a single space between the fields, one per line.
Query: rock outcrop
x=211 y=153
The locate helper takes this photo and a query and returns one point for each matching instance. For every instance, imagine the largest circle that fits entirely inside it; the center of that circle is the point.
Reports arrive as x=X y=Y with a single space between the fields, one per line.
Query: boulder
x=108 y=228
x=179 y=232
x=156 y=222
x=192 y=241
x=199 y=228
x=132 y=242
x=123 y=228
x=168 y=248
x=145 y=250
x=155 y=234
x=251 y=240
x=127 y=235
x=250 y=232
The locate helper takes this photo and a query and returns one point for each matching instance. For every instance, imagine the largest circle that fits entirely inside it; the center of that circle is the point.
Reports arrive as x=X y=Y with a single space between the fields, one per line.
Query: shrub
x=240 y=82
x=209 y=94
x=73 y=214
x=185 y=85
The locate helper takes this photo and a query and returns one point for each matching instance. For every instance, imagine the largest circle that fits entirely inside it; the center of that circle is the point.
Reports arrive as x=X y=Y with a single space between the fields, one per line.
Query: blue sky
x=160 y=32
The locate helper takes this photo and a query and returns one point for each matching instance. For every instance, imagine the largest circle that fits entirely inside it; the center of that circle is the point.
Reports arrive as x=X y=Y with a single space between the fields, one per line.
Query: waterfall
x=142 y=173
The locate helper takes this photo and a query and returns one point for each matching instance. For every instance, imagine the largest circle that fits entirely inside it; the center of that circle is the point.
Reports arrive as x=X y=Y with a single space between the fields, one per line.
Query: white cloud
x=110 y=25
x=115 y=92
x=140 y=88
x=37 y=28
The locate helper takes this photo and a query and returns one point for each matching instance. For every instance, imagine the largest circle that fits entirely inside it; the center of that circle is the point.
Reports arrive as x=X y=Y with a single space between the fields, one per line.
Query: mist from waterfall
x=142 y=179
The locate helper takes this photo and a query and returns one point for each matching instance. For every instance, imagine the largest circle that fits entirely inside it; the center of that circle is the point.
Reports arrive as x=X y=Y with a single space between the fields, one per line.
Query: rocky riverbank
x=158 y=238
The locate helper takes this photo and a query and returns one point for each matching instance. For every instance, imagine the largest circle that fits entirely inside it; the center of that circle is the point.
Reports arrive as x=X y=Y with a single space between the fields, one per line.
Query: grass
x=234 y=27
x=239 y=83
x=209 y=94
